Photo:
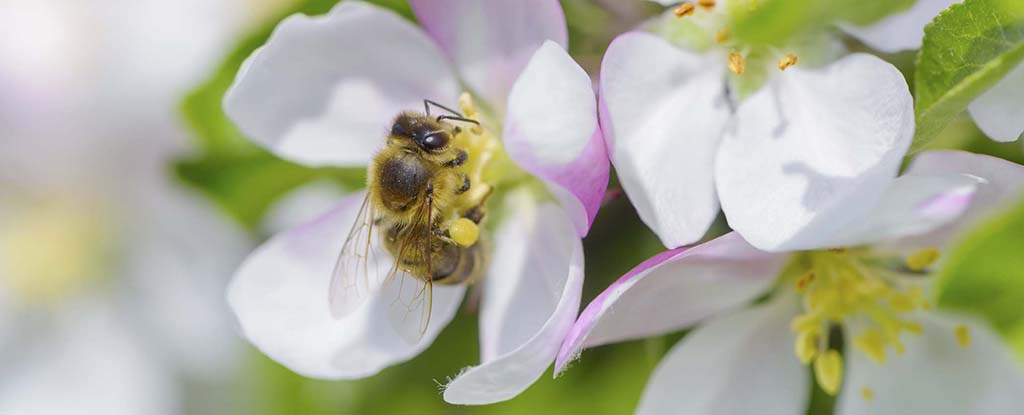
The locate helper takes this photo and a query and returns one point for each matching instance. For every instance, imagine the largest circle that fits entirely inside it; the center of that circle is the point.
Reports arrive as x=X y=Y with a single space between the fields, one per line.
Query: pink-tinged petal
x=279 y=296
x=663 y=112
x=999 y=112
x=531 y=298
x=913 y=205
x=1001 y=184
x=671 y=291
x=741 y=363
x=936 y=375
x=551 y=131
x=901 y=31
x=490 y=41
x=813 y=151
x=324 y=89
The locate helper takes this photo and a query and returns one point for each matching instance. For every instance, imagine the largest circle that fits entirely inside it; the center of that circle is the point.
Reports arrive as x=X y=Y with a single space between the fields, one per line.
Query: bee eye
x=399 y=130
x=434 y=141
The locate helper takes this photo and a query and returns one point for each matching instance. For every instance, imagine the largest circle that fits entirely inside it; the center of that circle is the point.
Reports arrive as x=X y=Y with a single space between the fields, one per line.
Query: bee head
x=423 y=131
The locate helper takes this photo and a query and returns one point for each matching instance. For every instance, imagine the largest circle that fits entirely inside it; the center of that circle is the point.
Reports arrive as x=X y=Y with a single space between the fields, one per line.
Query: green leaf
x=965 y=51
x=776 y=22
x=984 y=273
x=863 y=13
x=239 y=175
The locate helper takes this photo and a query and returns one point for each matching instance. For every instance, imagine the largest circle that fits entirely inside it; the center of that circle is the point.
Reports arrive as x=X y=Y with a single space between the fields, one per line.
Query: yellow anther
x=787 y=61
x=707 y=5
x=872 y=345
x=828 y=369
x=736 y=63
x=867 y=394
x=464 y=232
x=804 y=281
x=722 y=36
x=684 y=9
x=807 y=345
x=963 y=336
x=805 y=322
x=469 y=110
x=913 y=327
x=922 y=259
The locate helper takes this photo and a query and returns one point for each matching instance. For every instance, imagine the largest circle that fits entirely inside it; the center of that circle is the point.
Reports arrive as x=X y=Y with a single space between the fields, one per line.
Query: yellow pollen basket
x=48 y=252
x=849 y=287
x=464 y=232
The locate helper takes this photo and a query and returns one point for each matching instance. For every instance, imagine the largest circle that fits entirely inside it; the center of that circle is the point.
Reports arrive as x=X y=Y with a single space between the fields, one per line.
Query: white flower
x=867 y=283
x=999 y=112
x=324 y=90
x=806 y=140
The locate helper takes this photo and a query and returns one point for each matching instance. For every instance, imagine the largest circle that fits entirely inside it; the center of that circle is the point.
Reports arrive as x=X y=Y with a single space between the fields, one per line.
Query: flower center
x=712 y=23
x=487 y=166
x=49 y=251
x=872 y=296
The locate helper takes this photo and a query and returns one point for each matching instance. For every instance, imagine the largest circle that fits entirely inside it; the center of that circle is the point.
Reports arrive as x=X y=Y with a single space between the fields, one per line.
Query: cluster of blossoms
x=827 y=265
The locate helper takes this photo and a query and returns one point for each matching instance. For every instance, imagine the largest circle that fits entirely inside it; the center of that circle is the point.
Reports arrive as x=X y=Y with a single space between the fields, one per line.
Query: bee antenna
x=463 y=119
x=427 y=103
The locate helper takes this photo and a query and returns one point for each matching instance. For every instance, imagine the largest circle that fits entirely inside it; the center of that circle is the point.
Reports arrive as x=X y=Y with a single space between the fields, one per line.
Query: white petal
x=937 y=376
x=741 y=363
x=814 y=150
x=531 y=298
x=551 y=130
x=663 y=111
x=490 y=41
x=179 y=268
x=323 y=90
x=999 y=112
x=901 y=31
x=1001 y=184
x=84 y=362
x=913 y=205
x=280 y=298
x=672 y=291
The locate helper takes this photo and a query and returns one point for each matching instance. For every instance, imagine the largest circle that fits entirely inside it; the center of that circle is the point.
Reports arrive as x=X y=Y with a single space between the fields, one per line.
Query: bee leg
x=476 y=213
x=459 y=159
x=465 y=185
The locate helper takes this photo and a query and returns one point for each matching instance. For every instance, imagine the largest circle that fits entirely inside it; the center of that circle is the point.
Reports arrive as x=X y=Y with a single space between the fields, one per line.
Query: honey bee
x=425 y=201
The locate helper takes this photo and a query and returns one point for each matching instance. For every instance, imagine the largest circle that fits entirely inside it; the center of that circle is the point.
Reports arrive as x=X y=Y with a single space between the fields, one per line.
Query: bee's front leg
x=460 y=159
x=466 y=184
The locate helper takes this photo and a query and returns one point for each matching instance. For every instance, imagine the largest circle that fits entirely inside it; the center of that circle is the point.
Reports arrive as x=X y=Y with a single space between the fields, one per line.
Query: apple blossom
x=322 y=92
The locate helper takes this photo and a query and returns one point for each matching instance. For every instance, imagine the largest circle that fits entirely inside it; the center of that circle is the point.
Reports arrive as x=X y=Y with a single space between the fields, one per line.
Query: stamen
x=922 y=259
x=804 y=281
x=707 y=5
x=867 y=394
x=469 y=110
x=684 y=9
x=872 y=344
x=807 y=345
x=839 y=286
x=787 y=61
x=963 y=336
x=736 y=63
x=722 y=36
x=828 y=369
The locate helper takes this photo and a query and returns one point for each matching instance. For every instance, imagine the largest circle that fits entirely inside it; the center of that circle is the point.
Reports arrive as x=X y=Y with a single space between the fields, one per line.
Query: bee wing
x=360 y=268
x=409 y=313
